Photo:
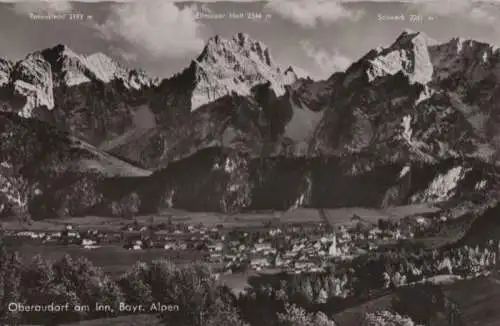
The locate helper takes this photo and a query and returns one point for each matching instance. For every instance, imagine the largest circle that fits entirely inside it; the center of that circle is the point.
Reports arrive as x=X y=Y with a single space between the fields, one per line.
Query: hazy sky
x=161 y=37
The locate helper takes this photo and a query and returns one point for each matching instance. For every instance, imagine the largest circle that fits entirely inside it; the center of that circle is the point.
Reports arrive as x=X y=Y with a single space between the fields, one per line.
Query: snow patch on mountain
x=480 y=185
x=425 y=94
x=443 y=187
x=415 y=145
x=407 y=131
x=404 y=171
x=408 y=55
x=235 y=65
x=33 y=80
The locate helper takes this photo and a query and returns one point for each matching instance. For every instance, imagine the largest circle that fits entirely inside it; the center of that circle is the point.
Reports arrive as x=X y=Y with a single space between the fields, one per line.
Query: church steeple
x=332 y=251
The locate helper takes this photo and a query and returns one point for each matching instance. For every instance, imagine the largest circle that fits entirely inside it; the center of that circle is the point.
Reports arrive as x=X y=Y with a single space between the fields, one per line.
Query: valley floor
x=336 y=216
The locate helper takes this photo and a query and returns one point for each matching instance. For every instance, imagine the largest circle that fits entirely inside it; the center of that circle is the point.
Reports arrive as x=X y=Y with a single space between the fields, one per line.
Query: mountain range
x=413 y=122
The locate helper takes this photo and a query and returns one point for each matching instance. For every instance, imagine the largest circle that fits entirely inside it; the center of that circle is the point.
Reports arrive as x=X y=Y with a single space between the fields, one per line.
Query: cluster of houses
x=295 y=251
x=88 y=239
x=294 y=248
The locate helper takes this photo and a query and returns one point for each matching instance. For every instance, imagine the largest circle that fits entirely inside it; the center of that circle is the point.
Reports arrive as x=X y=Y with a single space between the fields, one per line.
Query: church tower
x=332 y=251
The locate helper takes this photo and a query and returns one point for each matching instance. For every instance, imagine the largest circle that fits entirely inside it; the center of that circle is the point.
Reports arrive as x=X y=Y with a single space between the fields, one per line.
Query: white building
x=259 y=247
x=332 y=251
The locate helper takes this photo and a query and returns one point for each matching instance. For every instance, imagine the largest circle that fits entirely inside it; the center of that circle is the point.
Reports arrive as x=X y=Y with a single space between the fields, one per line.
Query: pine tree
x=135 y=286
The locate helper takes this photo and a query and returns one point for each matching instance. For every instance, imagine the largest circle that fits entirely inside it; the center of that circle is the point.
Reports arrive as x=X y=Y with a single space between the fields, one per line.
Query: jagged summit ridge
x=472 y=59
x=408 y=54
x=235 y=65
x=67 y=64
x=240 y=43
x=76 y=69
x=35 y=77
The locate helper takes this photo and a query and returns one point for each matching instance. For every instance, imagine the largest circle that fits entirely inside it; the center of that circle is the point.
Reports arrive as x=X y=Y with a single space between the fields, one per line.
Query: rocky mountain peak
x=73 y=69
x=409 y=36
x=408 y=55
x=235 y=65
x=35 y=77
x=373 y=139
x=219 y=48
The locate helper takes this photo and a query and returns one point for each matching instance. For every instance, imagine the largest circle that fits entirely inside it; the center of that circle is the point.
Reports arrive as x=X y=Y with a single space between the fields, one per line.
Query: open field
x=111 y=224
x=238 y=282
x=112 y=259
x=54 y=225
x=116 y=260
x=341 y=216
x=337 y=216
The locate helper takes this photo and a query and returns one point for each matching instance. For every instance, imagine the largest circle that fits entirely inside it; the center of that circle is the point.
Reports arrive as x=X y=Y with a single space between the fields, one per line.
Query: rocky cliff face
x=231 y=93
x=218 y=179
x=92 y=96
x=409 y=123
x=235 y=66
x=388 y=103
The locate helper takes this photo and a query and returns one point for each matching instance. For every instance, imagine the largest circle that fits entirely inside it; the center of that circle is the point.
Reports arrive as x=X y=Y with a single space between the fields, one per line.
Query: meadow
x=336 y=216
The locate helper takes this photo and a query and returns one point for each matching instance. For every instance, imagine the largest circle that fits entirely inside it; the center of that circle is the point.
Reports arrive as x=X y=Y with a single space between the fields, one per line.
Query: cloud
x=328 y=61
x=130 y=1
x=479 y=12
x=42 y=7
x=308 y=13
x=155 y=27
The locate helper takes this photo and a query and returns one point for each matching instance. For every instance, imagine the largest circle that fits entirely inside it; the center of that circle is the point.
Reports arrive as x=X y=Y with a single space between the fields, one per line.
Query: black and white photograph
x=250 y=163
